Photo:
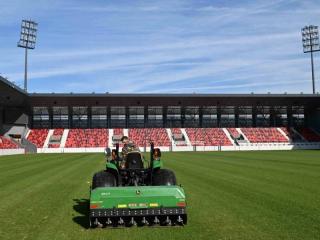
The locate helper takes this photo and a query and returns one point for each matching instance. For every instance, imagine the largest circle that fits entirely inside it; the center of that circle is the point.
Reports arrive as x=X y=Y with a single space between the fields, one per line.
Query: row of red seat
x=58 y=132
x=176 y=130
x=38 y=136
x=233 y=132
x=264 y=135
x=6 y=143
x=78 y=138
x=208 y=137
x=139 y=136
x=143 y=136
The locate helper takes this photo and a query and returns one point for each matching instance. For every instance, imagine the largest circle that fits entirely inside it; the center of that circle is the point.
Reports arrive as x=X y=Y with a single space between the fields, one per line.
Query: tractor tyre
x=164 y=177
x=103 y=179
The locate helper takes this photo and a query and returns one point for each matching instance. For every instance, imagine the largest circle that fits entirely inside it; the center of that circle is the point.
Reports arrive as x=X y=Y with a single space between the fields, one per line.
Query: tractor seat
x=134 y=161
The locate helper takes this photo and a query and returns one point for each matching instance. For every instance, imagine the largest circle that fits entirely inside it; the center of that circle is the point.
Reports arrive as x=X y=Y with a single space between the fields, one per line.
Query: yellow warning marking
x=122 y=205
x=154 y=205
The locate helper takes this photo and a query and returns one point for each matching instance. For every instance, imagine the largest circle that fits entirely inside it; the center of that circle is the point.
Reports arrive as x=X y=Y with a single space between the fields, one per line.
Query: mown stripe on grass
x=43 y=200
x=39 y=178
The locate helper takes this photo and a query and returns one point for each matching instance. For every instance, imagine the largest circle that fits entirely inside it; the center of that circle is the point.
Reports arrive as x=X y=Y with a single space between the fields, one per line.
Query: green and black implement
x=134 y=192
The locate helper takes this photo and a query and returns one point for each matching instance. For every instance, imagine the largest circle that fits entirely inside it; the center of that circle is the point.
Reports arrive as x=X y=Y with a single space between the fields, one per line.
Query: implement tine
x=180 y=220
x=97 y=223
x=144 y=221
x=109 y=222
x=132 y=222
x=156 y=220
x=168 y=221
x=121 y=222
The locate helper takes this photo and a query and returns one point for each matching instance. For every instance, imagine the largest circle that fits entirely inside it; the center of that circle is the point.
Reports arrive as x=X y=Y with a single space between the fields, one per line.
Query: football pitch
x=230 y=195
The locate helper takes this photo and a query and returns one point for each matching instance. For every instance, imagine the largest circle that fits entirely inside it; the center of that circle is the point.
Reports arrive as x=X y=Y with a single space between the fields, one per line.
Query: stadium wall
x=248 y=147
x=11 y=151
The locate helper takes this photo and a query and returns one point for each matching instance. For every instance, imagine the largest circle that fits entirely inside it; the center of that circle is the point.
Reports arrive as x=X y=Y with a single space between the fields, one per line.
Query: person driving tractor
x=156 y=154
x=128 y=146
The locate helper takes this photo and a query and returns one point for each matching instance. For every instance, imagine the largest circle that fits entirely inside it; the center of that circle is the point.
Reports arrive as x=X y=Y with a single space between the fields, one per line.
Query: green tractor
x=131 y=191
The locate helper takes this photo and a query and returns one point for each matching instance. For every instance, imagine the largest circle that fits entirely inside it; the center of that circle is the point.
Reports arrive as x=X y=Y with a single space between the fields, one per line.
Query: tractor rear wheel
x=103 y=179
x=164 y=177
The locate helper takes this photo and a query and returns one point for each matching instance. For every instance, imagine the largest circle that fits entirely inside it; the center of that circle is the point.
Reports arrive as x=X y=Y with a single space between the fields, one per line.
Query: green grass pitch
x=230 y=195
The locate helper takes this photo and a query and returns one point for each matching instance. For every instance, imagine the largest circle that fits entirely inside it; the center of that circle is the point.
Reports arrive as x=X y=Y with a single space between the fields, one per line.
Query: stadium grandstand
x=54 y=122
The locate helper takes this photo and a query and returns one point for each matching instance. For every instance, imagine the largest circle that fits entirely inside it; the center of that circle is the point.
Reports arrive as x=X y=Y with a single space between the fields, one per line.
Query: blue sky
x=165 y=46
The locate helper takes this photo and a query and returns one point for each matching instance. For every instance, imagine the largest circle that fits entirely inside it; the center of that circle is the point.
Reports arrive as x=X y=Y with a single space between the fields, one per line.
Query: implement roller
x=134 y=192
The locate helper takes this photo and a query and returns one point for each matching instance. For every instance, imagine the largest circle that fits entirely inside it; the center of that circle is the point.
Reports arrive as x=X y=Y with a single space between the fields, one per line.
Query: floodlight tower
x=27 y=41
x=310 y=41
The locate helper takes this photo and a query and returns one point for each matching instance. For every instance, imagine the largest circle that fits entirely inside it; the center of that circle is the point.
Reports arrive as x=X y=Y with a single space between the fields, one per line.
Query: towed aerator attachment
x=132 y=192
x=141 y=205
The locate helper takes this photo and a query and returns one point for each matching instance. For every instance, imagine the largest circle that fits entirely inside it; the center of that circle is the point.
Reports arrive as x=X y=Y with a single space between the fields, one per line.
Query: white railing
x=244 y=147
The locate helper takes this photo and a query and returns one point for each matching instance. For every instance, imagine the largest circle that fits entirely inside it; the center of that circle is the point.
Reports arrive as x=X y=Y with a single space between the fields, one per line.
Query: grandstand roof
x=174 y=99
x=10 y=91
x=11 y=94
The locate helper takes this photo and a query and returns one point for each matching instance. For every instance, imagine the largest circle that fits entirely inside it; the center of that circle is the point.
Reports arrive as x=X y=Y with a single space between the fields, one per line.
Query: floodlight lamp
x=310 y=43
x=28 y=34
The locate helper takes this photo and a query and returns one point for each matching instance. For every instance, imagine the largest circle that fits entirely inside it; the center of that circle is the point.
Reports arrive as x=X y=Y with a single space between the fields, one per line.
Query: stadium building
x=74 y=122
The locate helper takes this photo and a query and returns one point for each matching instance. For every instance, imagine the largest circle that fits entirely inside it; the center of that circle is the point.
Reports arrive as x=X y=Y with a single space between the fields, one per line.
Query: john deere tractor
x=132 y=191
